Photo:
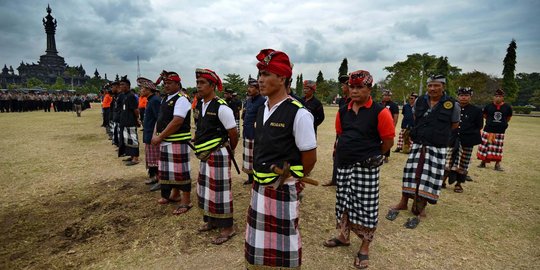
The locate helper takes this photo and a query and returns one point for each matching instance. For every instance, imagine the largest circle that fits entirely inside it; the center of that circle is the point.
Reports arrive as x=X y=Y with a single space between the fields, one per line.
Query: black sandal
x=335 y=242
x=392 y=214
x=361 y=257
x=412 y=223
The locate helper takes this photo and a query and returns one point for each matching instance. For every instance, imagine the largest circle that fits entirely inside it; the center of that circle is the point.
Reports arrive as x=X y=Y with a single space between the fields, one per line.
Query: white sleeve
x=303 y=131
x=226 y=117
x=182 y=107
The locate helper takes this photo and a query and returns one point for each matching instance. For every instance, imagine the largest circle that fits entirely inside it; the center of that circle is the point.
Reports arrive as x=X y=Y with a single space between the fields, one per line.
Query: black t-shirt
x=496 y=117
x=392 y=106
x=127 y=116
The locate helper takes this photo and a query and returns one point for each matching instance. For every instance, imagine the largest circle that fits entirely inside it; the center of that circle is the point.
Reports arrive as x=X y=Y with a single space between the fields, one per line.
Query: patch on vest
x=211 y=113
x=274 y=124
x=448 y=105
x=171 y=103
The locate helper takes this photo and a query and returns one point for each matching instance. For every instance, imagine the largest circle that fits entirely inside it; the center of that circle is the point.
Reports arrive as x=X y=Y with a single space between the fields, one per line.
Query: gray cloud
x=226 y=35
x=417 y=28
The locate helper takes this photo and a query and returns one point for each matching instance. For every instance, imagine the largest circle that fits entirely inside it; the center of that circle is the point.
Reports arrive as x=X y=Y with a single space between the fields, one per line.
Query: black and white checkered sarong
x=248 y=156
x=357 y=194
x=131 y=138
x=431 y=173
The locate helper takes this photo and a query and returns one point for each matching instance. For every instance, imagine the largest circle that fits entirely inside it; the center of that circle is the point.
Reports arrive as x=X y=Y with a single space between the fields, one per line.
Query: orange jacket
x=106 y=103
x=142 y=102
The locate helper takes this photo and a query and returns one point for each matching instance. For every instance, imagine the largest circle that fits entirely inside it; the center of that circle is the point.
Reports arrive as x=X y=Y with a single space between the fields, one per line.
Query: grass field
x=67 y=201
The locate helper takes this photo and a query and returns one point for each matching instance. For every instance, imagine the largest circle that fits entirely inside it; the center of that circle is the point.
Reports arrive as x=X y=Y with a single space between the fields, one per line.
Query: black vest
x=209 y=128
x=274 y=141
x=360 y=137
x=166 y=115
x=433 y=126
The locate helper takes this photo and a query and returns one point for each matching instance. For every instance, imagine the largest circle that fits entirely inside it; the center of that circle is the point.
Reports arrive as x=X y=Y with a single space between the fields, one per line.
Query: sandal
x=392 y=214
x=458 y=189
x=222 y=239
x=361 y=258
x=335 y=242
x=206 y=227
x=412 y=223
x=182 y=209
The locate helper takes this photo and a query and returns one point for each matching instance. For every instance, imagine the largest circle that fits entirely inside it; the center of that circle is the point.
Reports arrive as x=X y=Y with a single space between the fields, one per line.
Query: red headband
x=360 y=77
x=209 y=75
x=275 y=62
x=168 y=75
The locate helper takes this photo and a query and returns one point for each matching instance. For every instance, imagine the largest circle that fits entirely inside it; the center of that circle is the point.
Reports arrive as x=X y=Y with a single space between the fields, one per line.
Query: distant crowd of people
x=18 y=101
x=279 y=136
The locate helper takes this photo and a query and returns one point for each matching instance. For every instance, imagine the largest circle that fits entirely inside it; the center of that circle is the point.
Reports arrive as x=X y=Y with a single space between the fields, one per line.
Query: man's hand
x=156 y=140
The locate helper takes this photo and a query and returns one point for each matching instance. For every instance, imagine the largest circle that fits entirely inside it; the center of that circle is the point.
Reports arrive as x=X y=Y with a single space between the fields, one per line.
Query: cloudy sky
x=226 y=35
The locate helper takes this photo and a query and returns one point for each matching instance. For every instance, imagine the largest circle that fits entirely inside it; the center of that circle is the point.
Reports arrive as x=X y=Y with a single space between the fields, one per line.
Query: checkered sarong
x=214 y=189
x=400 y=139
x=402 y=135
x=431 y=174
x=174 y=166
x=491 y=148
x=357 y=195
x=272 y=236
x=460 y=163
x=131 y=138
x=151 y=155
x=115 y=128
x=248 y=156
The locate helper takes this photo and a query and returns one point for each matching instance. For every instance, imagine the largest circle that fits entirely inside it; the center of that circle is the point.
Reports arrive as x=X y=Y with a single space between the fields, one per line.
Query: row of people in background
x=27 y=102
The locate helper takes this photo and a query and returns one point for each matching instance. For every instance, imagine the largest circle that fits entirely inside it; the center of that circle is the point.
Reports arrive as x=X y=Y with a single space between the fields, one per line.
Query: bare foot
x=399 y=206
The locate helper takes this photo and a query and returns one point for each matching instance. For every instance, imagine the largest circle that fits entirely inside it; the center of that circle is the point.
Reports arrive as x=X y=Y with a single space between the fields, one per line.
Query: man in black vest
x=236 y=105
x=253 y=103
x=366 y=132
x=173 y=133
x=497 y=115
x=463 y=139
x=129 y=121
x=343 y=101
x=436 y=115
x=312 y=103
x=284 y=132
x=118 y=101
x=394 y=110
x=215 y=140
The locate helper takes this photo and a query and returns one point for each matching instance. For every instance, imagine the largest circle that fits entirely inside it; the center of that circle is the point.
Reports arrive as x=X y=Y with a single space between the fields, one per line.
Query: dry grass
x=68 y=202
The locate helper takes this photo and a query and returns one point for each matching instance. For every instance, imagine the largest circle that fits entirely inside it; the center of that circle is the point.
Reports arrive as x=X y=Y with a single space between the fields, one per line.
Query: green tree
x=509 y=84
x=59 y=84
x=535 y=99
x=13 y=86
x=300 y=85
x=527 y=83
x=343 y=68
x=34 y=83
x=320 y=77
x=236 y=83
x=410 y=75
x=92 y=85
x=482 y=84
